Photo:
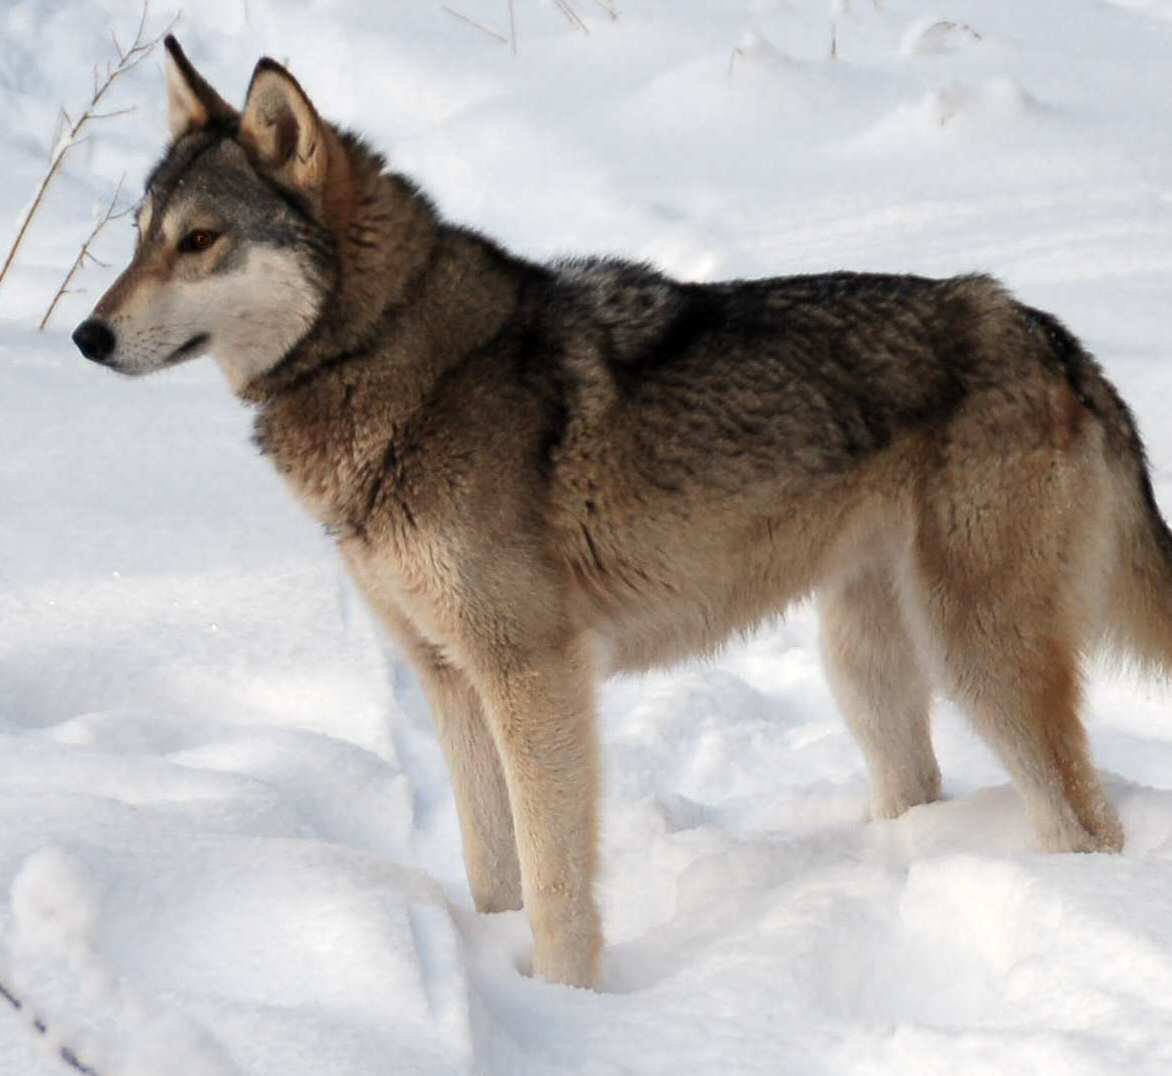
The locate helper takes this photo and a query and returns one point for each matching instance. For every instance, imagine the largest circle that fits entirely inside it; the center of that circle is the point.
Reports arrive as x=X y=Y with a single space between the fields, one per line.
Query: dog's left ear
x=282 y=129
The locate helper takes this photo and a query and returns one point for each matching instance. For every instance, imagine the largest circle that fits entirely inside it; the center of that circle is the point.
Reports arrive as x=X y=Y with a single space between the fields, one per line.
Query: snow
x=228 y=841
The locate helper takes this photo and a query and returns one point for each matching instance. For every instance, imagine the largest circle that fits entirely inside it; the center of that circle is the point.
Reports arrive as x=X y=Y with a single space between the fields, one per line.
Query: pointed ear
x=282 y=129
x=191 y=103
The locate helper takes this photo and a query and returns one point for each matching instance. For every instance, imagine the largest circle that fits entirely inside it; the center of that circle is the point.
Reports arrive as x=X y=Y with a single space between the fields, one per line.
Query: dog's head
x=233 y=256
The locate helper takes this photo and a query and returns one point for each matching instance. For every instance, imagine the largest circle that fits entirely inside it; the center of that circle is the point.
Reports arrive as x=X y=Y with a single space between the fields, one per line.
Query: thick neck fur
x=383 y=234
x=412 y=299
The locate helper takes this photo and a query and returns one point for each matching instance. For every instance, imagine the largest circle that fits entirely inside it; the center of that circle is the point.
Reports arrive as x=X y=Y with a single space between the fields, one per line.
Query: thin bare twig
x=574 y=19
x=608 y=7
x=84 y=254
x=60 y=125
x=833 y=39
x=472 y=22
x=732 y=59
x=128 y=60
x=111 y=115
x=512 y=28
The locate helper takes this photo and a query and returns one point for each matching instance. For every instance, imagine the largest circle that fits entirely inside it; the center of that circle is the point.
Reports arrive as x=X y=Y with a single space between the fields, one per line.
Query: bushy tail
x=1138 y=623
x=1139 y=619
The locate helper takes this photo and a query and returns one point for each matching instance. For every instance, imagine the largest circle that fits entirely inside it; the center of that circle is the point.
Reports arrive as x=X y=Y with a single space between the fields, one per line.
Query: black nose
x=94 y=339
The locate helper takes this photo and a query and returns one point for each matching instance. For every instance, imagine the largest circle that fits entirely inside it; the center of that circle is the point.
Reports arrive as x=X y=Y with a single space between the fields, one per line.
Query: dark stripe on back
x=699 y=311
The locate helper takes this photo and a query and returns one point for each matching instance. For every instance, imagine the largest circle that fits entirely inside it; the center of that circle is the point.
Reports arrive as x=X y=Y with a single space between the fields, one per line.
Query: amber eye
x=198 y=240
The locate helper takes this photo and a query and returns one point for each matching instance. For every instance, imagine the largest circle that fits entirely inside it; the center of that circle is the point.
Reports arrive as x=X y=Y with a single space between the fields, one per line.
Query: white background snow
x=227 y=842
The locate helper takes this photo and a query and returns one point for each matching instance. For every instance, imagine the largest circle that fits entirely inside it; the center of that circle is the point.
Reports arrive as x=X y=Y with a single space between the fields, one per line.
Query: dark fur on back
x=824 y=369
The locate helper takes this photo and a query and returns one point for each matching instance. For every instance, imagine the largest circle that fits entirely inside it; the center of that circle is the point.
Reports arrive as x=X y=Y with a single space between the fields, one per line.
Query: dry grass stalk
x=85 y=254
x=472 y=22
x=128 y=59
x=572 y=17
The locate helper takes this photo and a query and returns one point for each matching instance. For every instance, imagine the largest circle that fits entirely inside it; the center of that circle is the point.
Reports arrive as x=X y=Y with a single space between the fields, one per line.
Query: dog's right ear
x=191 y=103
x=282 y=129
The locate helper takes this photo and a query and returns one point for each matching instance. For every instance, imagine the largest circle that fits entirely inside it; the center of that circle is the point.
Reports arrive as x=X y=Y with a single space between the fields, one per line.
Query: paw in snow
x=894 y=794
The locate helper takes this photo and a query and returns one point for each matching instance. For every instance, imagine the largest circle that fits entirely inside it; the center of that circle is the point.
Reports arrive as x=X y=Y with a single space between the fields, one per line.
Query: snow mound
x=933 y=37
x=72 y=999
x=54 y=904
x=959 y=109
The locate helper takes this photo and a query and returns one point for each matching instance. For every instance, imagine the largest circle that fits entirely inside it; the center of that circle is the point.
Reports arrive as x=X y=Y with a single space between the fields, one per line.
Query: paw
x=891 y=798
x=567 y=940
x=495 y=879
x=1104 y=833
x=569 y=966
x=492 y=898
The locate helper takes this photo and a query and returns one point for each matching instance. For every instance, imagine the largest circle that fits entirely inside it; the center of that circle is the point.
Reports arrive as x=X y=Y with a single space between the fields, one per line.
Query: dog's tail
x=1138 y=622
x=1139 y=613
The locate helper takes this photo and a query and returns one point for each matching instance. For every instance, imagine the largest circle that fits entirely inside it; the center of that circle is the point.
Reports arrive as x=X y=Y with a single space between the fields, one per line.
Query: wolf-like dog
x=542 y=474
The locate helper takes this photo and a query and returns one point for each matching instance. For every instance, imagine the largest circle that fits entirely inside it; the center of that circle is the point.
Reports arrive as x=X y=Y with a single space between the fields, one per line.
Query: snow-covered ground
x=228 y=843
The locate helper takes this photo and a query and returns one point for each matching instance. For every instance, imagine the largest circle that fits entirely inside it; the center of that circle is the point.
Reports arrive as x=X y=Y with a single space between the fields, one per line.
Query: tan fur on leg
x=482 y=799
x=881 y=689
x=542 y=714
x=1006 y=583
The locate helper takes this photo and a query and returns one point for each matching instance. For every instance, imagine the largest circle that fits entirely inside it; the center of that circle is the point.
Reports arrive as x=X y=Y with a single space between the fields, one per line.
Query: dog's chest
x=376 y=512
x=342 y=472
x=327 y=485
x=415 y=578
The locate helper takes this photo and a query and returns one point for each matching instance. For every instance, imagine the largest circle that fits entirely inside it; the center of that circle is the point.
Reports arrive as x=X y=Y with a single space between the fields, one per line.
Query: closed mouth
x=187 y=350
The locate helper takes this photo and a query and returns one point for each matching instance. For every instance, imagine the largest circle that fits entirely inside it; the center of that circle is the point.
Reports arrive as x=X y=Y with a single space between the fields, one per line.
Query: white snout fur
x=252 y=316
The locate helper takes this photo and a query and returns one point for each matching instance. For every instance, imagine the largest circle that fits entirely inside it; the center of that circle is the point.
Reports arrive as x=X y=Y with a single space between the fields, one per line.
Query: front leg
x=541 y=709
x=478 y=783
x=482 y=798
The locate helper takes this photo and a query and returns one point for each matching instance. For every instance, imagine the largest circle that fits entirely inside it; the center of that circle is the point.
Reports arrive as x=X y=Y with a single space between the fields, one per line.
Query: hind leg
x=1024 y=701
x=1031 y=719
x=1003 y=596
x=880 y=687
